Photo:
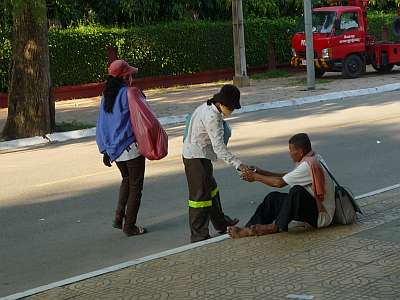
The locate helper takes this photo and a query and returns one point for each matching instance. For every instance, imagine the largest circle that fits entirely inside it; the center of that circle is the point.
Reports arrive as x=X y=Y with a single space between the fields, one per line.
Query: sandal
x=230 y=222
x=135 y=230
x=117 y=223
x=233 y=222
x=118 y=220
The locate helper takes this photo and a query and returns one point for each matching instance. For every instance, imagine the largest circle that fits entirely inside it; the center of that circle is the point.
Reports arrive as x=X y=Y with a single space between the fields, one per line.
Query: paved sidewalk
x=183 y=99
x=360 y=261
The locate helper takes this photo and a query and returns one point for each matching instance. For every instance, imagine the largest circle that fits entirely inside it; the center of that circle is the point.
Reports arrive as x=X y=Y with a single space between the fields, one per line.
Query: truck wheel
x=383 y=69
x=353 y=66
x=319 y=72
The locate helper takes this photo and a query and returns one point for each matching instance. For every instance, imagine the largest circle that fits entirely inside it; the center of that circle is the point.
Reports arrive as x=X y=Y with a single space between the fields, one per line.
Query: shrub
x=376 y=21
x=79 y=55
x=5 y=56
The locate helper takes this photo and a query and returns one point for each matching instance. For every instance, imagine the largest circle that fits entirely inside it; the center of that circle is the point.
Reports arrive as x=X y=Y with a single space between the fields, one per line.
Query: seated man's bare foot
x=263 y=229
x=237 y=232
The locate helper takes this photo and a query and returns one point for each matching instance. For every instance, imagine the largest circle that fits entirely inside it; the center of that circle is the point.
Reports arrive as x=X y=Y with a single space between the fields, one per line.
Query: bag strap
x=353 y=202
x=330 y=174
x=188 y=119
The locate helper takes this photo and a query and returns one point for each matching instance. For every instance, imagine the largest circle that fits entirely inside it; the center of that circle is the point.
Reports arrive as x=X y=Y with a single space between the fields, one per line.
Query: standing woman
x=116 y=141
x=204 y=143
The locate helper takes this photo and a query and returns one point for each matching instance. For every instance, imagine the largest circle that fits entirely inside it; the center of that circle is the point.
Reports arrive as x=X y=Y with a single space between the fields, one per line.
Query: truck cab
x=339 y=38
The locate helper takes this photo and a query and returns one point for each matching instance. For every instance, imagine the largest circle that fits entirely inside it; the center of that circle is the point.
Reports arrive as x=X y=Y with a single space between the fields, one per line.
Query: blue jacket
x=114 y=130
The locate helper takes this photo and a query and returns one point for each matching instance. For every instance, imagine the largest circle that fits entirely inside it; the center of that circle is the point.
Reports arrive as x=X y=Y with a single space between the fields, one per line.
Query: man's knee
x=271 y=196
x=297 y=189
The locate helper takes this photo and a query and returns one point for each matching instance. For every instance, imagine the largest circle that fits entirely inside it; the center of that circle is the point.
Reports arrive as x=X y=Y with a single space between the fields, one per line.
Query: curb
x=171 y=120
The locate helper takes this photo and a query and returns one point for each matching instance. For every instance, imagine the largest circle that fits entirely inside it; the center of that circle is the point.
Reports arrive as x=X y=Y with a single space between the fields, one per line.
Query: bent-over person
x=311 y=197
x=205 y=142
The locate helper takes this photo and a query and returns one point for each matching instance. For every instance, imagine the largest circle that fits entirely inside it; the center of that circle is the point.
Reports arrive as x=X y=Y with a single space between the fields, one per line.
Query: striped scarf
x=318 y=178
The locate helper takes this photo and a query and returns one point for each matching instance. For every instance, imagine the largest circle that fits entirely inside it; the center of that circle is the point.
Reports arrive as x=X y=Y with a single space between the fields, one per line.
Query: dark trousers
x=282 y=208
x=130 y=192
x=203 y=190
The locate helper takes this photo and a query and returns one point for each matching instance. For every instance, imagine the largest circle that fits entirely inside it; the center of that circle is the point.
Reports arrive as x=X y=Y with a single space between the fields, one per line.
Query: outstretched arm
x=271 y=180
x=215 y=129
x=268 y=173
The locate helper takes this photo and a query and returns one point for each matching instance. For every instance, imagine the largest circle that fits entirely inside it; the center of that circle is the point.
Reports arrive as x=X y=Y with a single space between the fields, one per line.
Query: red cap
x=120 y=68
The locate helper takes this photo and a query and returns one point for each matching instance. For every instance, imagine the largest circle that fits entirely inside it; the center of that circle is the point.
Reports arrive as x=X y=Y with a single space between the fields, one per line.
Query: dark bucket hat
x=229 y=95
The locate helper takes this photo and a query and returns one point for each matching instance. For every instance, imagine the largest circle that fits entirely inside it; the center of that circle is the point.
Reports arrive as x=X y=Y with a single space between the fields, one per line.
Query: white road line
x=149 y=258
x=380 y=191
x=171 y=120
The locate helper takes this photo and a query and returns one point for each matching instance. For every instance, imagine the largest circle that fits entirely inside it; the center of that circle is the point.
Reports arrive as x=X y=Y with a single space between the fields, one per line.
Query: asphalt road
x=57 y=202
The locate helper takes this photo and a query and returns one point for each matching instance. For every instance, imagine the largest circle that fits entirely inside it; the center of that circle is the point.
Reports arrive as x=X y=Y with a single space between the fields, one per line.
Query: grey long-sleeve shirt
x=205 y=138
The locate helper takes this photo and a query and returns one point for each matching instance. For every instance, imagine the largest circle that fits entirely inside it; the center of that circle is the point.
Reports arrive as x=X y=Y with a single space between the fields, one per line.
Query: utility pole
x=240 y=79
x=309 y=45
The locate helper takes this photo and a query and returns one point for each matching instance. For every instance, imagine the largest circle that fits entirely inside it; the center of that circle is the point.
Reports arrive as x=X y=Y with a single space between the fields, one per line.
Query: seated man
x=311 y=197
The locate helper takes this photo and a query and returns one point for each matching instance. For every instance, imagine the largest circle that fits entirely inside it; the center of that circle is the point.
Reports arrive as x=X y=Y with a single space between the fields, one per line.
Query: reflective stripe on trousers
x=206 y=203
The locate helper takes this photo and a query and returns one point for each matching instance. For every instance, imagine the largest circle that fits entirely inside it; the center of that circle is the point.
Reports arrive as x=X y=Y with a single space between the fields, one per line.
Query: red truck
x=342 y=42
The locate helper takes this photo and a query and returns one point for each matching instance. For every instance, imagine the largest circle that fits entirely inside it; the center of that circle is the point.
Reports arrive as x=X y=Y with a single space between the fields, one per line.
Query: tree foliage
x=66 y=13
x=134 y=12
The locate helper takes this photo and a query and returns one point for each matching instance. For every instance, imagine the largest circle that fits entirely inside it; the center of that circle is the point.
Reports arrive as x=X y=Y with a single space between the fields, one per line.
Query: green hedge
x=376 y=21
x=167 y=49
x=79 y=55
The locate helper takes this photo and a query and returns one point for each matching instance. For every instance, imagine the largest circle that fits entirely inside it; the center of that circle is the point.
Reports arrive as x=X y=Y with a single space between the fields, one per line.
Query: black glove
x=106 y=160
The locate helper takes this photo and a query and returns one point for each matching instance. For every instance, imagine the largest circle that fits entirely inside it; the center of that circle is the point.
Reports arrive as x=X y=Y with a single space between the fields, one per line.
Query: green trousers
x=204 y=200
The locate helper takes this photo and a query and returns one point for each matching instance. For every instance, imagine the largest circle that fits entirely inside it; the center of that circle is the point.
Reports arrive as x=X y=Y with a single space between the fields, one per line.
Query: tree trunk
x=30 y=103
